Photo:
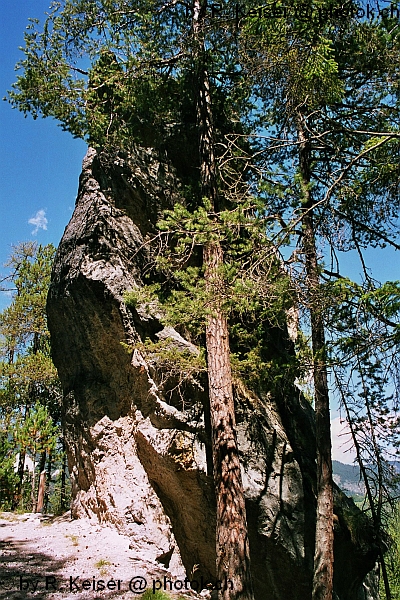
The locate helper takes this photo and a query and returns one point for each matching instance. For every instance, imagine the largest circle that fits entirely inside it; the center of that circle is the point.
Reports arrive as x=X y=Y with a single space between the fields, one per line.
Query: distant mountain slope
x=347 y=477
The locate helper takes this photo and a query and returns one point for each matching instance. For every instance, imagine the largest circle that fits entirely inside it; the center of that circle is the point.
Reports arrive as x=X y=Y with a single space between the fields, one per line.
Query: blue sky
x=40 y=163
x=40 y=167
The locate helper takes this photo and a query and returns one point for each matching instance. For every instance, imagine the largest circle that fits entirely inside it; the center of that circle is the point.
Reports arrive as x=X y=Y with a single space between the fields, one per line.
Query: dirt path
x=59 y=559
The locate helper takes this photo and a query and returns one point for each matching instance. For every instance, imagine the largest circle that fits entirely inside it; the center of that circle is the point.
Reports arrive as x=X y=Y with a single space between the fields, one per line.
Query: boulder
x=139 y=457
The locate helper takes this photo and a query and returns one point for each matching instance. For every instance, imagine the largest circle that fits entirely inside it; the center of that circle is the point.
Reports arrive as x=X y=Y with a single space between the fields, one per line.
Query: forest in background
x=292 y=117
x=31 y=440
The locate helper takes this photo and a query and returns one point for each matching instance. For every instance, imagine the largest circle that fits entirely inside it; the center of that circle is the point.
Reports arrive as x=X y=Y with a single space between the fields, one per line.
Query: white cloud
x=39 y=221
x=342 y=447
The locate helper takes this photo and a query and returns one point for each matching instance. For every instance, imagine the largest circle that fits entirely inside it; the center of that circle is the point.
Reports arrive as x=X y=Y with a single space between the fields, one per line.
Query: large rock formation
x=140 y=458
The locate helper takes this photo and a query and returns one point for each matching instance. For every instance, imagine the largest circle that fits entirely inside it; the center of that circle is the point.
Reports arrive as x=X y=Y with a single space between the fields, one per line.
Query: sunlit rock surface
x=140 y=458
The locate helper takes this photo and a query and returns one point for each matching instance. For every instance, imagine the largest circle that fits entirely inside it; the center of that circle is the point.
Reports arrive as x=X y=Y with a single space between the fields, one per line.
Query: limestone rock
x=141 y=460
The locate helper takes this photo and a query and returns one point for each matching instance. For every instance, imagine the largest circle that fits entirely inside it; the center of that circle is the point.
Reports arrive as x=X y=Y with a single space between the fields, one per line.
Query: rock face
x=140 y=458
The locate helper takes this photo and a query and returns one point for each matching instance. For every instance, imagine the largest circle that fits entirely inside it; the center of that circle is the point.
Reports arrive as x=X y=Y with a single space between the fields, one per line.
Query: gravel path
x=46 y=558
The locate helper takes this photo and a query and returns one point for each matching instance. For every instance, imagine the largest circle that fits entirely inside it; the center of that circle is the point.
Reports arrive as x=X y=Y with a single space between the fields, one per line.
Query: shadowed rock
x=140 y=459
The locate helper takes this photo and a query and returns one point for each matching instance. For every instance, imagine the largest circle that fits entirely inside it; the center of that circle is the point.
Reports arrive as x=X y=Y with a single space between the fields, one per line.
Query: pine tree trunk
x=21 y=464
x=42 y=462
x=33 y=486
x=42 y=481
x=323 y=555
x=41 y=492
x=48 y=479
x=233 y=553
x=232 y=543
x=63 y=495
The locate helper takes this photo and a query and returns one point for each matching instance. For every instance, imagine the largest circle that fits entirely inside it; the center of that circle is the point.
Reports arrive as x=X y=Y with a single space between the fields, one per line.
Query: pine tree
x=233 y=552
x=313 y=90
x=170 y=52
x=318 y=97
x=29 y=382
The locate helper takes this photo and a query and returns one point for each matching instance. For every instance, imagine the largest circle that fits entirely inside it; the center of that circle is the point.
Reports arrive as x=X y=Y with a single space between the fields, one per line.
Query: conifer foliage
x=29 y=387
x=290 y=117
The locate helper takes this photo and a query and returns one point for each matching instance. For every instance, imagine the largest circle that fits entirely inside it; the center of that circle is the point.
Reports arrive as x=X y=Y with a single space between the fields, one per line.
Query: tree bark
x=48 y=479
x=232 y=543
x=323 y=554
x=21 y=464
x=42 y=482
x=42 y=462
x=63 y=495
x=233 y=552
x=41 y=492
x=33 y=485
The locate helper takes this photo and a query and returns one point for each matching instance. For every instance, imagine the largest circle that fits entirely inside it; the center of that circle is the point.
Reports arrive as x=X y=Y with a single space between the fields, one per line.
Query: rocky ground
x=48 y=558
